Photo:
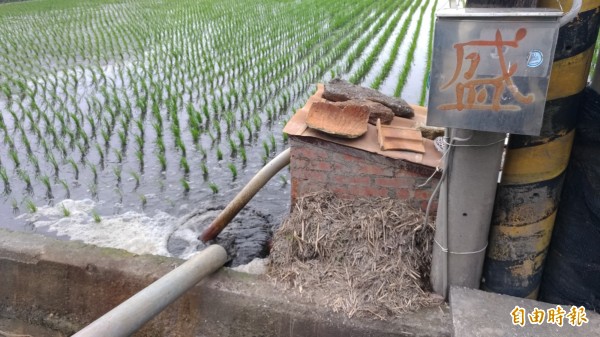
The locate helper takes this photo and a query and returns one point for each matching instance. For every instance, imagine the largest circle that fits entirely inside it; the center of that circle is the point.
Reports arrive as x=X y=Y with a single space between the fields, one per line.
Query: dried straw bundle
x=363 y=257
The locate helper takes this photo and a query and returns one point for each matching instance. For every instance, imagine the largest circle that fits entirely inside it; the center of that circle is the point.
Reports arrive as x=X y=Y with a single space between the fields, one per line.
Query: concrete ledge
x=66 y=285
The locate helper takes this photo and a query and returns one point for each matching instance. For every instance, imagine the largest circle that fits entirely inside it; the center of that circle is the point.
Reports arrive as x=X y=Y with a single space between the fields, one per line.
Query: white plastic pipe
x=570 y=15
x=132 y=314
x=241 y=199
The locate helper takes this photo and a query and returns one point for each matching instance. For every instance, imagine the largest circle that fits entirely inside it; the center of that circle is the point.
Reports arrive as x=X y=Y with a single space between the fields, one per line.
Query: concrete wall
x=66 y=285
x=316 y=165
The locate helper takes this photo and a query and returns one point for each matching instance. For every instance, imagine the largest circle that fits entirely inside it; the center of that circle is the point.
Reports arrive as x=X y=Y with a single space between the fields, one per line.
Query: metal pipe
x=132 y=314
x=242 y=198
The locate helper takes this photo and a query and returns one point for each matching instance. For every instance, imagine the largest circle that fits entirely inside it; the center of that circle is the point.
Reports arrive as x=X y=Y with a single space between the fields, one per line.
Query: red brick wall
x=320 y=165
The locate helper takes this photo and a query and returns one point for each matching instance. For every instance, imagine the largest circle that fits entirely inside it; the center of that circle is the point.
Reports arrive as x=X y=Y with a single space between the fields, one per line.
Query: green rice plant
x=140 y=158
x=243 y=155
x=118 y=155
x=160 y=145
x=117 y=170
x=184 y=165
x=75 y=168
x=185 y=184
x=139 y=140
x=5 y=180
x=94 y=171
x=66 y=213
x=240 y=136
x=65 y=185
x=52 y=160
x=248 y=127
x=232 y=146
x=26 y=179
x=204 y=169
x=273 y=143
x=100 y=152
x=35 y=163
x=136 y=178
x=195 y=132
x=217 y=127
x=123 y=138
x=105 y=136
x=14 y=156
x=257 y=122
x=15 y=205
x=266 y=148
x=213 y=187
x=219 y=154
x=143 y=200
x=46 y=182
x=96 y=217
x=30 y=205
x=93 y=188
x=162 y=160
x=233 y=170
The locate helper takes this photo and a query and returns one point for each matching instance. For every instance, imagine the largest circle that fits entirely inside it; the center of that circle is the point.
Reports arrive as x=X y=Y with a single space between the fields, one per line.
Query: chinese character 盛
x=471 y=91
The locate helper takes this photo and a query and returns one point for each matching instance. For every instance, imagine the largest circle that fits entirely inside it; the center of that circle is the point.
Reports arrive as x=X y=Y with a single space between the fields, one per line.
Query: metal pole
x=465 y=208
x=132 y=314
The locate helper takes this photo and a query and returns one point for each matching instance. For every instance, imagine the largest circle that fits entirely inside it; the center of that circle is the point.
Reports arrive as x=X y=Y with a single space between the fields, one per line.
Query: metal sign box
x=491 y=68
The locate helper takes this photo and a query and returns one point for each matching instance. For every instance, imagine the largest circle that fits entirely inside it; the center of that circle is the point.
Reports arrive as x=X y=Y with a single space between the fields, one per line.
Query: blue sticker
x=535 y=58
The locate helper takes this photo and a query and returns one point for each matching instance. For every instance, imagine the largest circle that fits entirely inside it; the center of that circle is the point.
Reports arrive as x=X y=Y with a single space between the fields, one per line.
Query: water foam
x=135 y=232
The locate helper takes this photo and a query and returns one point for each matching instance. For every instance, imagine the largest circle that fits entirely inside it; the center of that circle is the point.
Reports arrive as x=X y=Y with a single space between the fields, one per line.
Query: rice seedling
x=266 y=148
x=136 y=178
x=52 y=160
x=96 y=217
x=15 y=206
x=213 y=187
x=184 y=165
x=240 y=136
x=30 y=205
x=243 y=155
x=185 y=184
x=14 y=157
x=118 y=155
x=26 y=180
x=273 y=143
x=204 y=169
x=75 y=168
x=46 y=182
x=143 y=200
x=65 y=212
x=5 y=180
x=117 y=172
x=93 y=189
x=65 y=186
x=233 y=170
x=162 y=160
x=219 y=154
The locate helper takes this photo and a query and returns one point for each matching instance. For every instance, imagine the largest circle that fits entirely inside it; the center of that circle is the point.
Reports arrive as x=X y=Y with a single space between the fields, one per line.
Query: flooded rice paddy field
x=130 y=123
